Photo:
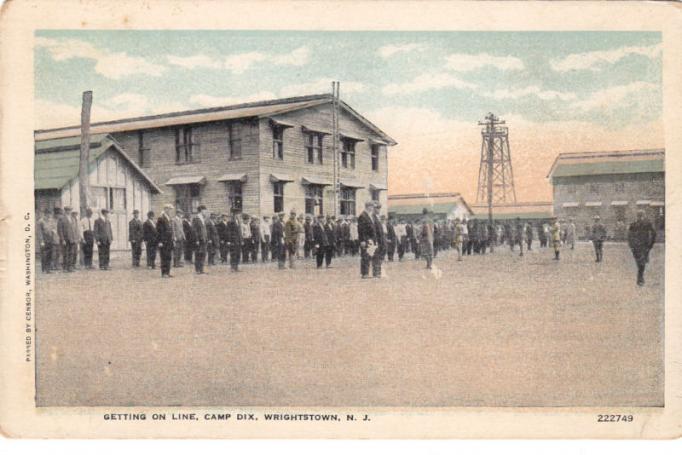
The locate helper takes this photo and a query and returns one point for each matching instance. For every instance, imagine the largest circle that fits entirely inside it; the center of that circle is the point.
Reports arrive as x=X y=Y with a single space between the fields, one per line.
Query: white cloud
x=532 y=90
x=472 y=62
x=426 y=82
x=113 y=65
x=194 y=61
x=212 y=101
x=613 y=97
x=391 y=49
x=595 y=59
x=239 y=63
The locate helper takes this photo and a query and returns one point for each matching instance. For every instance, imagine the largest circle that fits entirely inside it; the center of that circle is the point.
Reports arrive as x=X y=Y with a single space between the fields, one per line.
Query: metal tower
x=495 y=175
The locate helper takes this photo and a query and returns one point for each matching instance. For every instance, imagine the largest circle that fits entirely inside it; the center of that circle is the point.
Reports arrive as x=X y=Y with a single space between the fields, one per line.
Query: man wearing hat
x=87 y=229
x=598 y=236
x=308 y=241
x=555 y=234
x=381 y=242
x=178 y=238
x=277 y=240
x=641 y=238
x=104 y=236
x=67 y=240
x=213 y=240
x=330 y=232
x=246 y=238
x=189 y=237
x=368 y=238
x=164 y=236
x=221 y=228
x=233 y=240
x=135 y=237
x=291 y=231
x=78 y=235
x=150 y=240
x=45 y=231
x=321 y=246
x=200 y=239
x=265 y=230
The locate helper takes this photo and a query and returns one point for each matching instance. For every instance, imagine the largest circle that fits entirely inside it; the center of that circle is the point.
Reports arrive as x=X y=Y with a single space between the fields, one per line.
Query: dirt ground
x=493 y=330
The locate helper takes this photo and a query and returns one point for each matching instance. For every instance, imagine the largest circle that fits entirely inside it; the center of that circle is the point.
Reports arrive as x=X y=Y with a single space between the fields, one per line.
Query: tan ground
x=491 y=331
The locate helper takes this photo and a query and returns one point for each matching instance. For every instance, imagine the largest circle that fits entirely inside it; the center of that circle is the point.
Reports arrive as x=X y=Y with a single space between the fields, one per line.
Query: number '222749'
x=615 y=418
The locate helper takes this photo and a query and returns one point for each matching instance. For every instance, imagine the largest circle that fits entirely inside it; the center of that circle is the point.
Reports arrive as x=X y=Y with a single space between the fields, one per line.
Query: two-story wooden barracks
x=259 y=158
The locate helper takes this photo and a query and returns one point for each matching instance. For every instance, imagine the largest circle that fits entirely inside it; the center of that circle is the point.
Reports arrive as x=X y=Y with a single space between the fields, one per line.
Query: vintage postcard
x=340 y=219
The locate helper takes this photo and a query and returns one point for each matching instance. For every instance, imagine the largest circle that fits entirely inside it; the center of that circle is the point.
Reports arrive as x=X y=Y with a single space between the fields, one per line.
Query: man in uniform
x=200 y=240
x=246 y=238
x=308 y=233
x=391 y=240
x=67 y=239
x=221 y=228
x=426 y=238
x=164 y=235
x=641 y=238
x=135 y=237
x=598 y=235
x=330 y=233
x=265 y=230
x=277 y=240
x=104 y=237
x=178 y=239
x=400 y=238
x=233 y=240
x=381 y=242
x=367 y=236
x=87 y=229
x=189 y=237
x=255 y=239
x=213 y=241
x=291 y=230
x=46 y=240
x=555 y=235
x=78 y=235
x=150 y=241
x=321 y=246
x=529 y=235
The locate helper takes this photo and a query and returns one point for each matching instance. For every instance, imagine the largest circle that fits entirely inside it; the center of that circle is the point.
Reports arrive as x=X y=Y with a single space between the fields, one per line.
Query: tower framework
x=495 y=175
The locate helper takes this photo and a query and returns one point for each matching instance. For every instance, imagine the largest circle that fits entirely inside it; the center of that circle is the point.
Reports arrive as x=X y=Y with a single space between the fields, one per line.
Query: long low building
x=258 y=158
x=441 y=205
x=613 y=185
x=534 y=212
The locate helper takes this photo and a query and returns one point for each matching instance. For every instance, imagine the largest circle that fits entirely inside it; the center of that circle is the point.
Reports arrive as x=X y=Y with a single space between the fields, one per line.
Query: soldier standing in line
x=189 y=237
x=87 y=229
x=135 y=237
x=221 y=228
x=308 y=236
x=164 y=235
x=104 y=237
x=255 y=239
x=200 y=240
x=246 y=238
x=233 y=240
x=381 y=242
x=178 y=239
x=400 y=238
x=367 y=237
x=150 y=241
x=265 y=232
x=292 y=229
x=330 y=233
x=426 y=239
x=641 y=239
x=78 y=235
x=598 y=235
x=518 y=235
x=555 y=234
x=277 y=240
x=213 y=242
x=67 y=239
x=321 y=245
x=529 y=235
x=46 y=240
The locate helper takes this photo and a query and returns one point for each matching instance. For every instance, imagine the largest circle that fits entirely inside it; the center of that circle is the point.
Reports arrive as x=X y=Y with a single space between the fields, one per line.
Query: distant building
x=612 y=185
x=534 y=212
x=116 y=182
x=441 y=205
x=258 y=158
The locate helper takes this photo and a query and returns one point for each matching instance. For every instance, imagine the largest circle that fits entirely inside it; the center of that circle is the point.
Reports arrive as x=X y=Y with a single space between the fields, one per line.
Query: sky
x=557 y=91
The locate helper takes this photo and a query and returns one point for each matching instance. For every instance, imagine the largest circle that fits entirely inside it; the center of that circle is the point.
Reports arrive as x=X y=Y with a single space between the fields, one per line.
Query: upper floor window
x=143 y=152
x=186 y=147
x=278 y=142
x=348 y=153
x=235 y=139
x=376 y=150
x=313 y=147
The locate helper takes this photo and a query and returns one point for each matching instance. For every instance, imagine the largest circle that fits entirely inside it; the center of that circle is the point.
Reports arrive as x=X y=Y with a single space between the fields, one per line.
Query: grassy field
x=493 y=330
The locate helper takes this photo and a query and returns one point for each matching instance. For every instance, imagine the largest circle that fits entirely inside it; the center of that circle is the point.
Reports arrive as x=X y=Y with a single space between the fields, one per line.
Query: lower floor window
x=112 y=199
x=188 y=197
x=347 y=201
x=278 y=200
x=376 y=195
x=234 y=195
x=313 y=199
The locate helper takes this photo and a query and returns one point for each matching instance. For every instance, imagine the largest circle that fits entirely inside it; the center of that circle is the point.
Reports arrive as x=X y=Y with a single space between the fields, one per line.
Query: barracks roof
x=512 y=210
x=600 y=163
x=257 y=109
x=413 y=204
x=57 y=160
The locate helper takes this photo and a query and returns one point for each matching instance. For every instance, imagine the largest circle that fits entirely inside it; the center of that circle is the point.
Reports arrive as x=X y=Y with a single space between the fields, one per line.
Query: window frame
x=185 y=197
x=314 y=151
x=278 y=142
x=186 y=148
x=278 y=196
x=348 y=151
x=142 y=150
x=375 y=156
x=314 y=194
x=234 y=132
x=235 y=195
x=347 y=203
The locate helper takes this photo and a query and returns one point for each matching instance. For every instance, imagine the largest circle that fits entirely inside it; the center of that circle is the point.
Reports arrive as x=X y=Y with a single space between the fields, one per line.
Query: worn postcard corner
x=340 y=220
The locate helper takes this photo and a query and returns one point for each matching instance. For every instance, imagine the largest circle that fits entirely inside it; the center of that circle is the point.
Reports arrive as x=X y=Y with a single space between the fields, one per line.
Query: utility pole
x=335 y=142
x=84 y=163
